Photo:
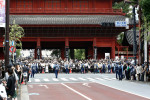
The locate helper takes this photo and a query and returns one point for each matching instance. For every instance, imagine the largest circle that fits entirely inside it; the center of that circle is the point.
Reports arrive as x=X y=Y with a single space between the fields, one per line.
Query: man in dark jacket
x=117 y=71
x=10 y=88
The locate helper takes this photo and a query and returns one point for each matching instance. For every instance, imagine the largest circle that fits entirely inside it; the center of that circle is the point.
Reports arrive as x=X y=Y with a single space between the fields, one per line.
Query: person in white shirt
x=3 y=93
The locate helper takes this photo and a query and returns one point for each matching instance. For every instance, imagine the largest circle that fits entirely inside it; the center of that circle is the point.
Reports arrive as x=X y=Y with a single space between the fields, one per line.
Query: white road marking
x=76 y=92
x=37 y=80
x=86 y=84
x=29 y=80
x=90 y=78
x=64 y=79
x=82 y=79
x=47 y=80
x=73 y=79
x=107 y=79
x=31 y=86
x=100 y=79
x=114 y=78
x=44 y=86
x=34 y=94
x=54 y=79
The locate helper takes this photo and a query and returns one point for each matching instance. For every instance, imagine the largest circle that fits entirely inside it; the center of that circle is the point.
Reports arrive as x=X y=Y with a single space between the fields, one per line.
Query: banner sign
x=120 y=24
x=2 y=13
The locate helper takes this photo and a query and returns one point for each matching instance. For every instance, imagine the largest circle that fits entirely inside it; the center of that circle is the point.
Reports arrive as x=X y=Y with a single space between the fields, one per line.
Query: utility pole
x=7 y=35
x=140 y=23
x=147 y=48
x=134 y=36
x=134 y=29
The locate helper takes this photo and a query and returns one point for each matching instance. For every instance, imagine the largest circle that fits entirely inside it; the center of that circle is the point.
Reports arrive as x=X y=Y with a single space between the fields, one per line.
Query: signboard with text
x=120 y=24
x=2 y=13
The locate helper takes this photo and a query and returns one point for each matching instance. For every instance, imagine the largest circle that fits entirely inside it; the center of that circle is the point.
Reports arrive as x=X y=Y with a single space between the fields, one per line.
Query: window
x=24 y=3
x=80 y=4
x=52 y=3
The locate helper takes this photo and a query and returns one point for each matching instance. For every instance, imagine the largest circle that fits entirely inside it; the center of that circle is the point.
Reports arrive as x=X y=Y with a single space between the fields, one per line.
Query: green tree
x=56 y=52
x=125 y=7
x=145 y=8
x=16 y=33
x=18 y=52
x=79 y=53
x=120 y=38
x=145 y=5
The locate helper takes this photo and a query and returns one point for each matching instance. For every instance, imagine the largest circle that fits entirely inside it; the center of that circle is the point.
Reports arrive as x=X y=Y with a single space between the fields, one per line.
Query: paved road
x=85 y=87
x=65 y=78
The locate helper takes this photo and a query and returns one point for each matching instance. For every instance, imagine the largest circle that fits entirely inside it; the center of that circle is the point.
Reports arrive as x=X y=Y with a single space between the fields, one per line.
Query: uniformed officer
x=117 y=71
x=56 y=67
x=95 y=68
x=66 y=66
x=109 y=68
x=82 y=68
x=120 y=71
x=103 y=68
x=33 y=67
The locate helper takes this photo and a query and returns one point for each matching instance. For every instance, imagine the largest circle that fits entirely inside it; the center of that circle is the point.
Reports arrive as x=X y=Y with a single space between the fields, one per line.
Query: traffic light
x=105 y=24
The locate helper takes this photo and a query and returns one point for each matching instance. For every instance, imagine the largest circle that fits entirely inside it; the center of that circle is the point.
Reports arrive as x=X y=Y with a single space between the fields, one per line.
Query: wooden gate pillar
x=113 y=51
x=38 y=53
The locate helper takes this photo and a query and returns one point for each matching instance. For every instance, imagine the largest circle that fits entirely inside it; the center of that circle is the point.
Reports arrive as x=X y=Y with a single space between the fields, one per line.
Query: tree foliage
x=120 y=38
x=18 y=52
x=79 y=53
x=145 y=4
x=146 y=29
x=16 y=33
x=56 y=52
x=123 y=6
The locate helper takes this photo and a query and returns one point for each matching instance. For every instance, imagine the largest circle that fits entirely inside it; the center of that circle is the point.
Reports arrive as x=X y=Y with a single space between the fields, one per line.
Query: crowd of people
x=14 y=72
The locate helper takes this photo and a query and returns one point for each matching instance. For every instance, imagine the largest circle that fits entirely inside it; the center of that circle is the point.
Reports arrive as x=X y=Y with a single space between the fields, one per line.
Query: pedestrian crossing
x=46 y=80
x=37 y=80
x=70 y=79
x=64 y=79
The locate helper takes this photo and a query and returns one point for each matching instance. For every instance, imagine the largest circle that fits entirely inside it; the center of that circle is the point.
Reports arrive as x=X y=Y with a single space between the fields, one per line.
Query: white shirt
x=3 y=91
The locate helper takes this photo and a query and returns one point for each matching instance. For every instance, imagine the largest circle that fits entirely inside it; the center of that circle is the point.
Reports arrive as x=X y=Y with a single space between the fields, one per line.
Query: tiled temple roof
x=65 y=19
x=129 y=36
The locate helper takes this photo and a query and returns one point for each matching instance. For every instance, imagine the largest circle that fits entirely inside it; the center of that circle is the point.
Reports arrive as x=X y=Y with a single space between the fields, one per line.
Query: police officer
x=117 y=71
x=56 y=67
x=103 y=68
x=109 y=68
x=33 y=67
x=95 y=68
x=66 y=66
x=120 y=71
x=82 y=68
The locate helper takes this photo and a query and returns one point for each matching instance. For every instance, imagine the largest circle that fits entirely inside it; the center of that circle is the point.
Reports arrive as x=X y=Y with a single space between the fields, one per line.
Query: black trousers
x=127 y=75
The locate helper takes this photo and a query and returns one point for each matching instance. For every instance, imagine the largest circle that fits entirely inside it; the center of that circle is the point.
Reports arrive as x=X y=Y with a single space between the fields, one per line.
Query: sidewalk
x=23 y=93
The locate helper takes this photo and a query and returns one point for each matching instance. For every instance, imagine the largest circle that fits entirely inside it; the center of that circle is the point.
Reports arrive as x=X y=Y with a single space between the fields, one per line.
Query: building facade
x=67 y=24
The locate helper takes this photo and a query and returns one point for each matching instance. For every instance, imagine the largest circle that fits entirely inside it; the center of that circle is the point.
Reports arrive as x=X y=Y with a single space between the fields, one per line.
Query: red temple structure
x=67 y=24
